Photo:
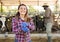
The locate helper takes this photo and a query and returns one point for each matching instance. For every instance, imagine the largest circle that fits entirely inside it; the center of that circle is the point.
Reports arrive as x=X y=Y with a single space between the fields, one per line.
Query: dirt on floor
x=33 y=40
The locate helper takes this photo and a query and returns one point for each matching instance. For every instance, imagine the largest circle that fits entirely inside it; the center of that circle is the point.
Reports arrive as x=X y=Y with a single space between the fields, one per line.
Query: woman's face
x=22 y=10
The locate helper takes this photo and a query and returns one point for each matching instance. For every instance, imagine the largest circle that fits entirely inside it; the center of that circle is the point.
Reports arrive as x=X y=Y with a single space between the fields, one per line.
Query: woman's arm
x=31 y=24
x=15 y=28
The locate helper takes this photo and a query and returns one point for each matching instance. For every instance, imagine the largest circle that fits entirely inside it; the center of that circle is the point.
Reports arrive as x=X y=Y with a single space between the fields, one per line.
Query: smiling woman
x=19 y=24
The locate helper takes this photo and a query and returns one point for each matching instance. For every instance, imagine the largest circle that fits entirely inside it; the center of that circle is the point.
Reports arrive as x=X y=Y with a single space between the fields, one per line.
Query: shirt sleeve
x=31 y=25
x=15 y=28
x=48 y=13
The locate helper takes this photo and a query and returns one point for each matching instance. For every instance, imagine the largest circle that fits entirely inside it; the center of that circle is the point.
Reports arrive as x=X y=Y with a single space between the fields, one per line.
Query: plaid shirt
x=20 y=35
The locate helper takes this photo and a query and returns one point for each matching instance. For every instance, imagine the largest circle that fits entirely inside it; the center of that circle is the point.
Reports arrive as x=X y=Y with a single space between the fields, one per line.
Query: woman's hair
x=18 y=14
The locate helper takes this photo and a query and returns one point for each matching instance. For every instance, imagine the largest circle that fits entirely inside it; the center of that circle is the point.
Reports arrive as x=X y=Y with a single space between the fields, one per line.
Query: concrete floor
x=35 y=37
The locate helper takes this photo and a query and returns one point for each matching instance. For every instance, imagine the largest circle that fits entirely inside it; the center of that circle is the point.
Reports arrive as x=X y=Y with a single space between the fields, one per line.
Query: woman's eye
x=24 y=9
x=20 y=8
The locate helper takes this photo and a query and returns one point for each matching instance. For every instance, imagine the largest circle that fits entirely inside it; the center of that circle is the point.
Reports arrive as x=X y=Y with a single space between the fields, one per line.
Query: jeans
x=30 y=41
x=17 y=40
x=48 y=28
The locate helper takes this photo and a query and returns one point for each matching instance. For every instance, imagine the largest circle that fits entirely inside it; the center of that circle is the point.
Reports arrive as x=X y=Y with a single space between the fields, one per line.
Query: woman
x=22 y=16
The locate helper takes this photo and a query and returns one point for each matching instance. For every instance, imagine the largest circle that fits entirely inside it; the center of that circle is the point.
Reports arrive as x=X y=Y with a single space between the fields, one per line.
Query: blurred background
x=8 y=9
